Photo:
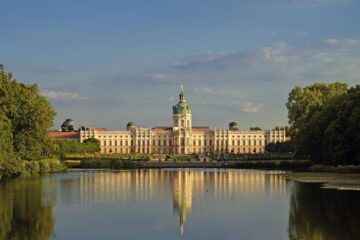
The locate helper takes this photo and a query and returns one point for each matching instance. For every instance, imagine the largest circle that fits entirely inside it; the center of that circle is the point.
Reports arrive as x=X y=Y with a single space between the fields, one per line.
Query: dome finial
x=181 y=88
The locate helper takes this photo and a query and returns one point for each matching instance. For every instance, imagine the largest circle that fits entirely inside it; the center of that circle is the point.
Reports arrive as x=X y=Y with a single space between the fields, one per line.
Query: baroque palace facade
x=182 y=138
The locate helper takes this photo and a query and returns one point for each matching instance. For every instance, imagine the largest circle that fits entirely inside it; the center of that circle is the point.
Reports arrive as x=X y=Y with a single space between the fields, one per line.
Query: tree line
x=325 y=122
x=25 y=117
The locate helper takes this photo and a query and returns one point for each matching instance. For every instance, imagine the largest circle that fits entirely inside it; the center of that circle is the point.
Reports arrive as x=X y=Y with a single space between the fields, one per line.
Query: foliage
x=280 y=147
x=43 y=166
x=25 y=117
x=64 y=147
x=66 y=126
x=28 y=115
x=304 y=102
x=255 y=129
x=327 y=128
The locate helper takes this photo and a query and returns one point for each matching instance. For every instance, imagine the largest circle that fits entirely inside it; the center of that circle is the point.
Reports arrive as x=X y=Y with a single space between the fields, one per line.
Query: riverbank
x=32 y=168
x=333 y=180
x=243 y=164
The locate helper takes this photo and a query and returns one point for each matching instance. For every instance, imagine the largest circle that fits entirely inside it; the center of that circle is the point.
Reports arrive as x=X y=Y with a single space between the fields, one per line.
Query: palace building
x=182 y=137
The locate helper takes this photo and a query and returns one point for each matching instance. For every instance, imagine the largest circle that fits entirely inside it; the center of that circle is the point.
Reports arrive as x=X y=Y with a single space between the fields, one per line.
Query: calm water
x=175 y=204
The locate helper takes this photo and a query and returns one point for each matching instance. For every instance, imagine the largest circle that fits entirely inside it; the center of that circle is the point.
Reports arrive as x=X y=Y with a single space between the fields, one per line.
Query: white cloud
x=164 y=77
x=277 y=63
x=302 y=33
x=276 y=54
x=59 y=95
x=251 y=107
x=343 y=42
x=220 y=93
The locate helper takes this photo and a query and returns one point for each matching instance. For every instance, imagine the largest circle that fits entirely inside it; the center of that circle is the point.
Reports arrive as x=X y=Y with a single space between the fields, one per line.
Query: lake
x=175 y=204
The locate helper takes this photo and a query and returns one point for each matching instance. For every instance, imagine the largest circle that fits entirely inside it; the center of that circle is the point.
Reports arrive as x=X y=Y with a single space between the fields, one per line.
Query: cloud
x=53 y=70
x=276 y=54
x=59 y=95
x=328 y=60
x=343 y=42
x=302 y=33
x=220 y=92
x=251 y=107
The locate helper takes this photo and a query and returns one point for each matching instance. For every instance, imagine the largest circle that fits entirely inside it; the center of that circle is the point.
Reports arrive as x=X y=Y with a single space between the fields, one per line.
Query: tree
x=331 y=134
x=67 y=126
x=28 y=115
x=304 y=102
x=255 y=129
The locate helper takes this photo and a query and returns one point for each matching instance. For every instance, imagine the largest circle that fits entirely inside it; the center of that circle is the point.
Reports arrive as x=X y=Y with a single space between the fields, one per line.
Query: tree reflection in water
x=317 y=214
x=25 y=212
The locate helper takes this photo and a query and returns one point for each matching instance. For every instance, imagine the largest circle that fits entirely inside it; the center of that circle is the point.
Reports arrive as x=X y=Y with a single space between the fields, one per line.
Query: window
x=199 y=142
x=188 y=123
x=194 y=143
x=182 y=122
x=164 y=142
x=104 y=142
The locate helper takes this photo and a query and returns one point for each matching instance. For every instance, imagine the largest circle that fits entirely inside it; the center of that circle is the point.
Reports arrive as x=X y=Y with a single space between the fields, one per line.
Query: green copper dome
x=182 y=107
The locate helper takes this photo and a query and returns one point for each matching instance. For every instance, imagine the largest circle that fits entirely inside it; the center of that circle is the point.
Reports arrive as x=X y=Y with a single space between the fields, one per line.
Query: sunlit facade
x=182 y=137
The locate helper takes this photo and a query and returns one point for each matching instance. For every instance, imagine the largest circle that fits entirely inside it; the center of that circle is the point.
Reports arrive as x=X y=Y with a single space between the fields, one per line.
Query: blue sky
x=104 y=63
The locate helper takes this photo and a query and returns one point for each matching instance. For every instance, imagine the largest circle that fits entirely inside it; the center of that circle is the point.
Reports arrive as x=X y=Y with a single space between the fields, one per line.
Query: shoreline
x=329 y=180
x=294 y=165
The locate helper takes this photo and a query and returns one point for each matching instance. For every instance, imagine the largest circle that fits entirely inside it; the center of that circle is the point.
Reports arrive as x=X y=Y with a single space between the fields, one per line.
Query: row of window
x=167 y=151
x=169 y=142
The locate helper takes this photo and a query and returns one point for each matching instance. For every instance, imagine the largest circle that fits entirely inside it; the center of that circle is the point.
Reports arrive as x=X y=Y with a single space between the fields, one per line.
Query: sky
x=105 y=63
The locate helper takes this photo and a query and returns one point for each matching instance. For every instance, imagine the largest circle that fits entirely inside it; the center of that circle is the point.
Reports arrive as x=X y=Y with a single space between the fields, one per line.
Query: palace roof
x=64 y=135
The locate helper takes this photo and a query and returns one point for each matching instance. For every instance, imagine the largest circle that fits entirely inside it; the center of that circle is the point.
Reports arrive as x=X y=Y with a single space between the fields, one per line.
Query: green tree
x=29 y=114
x=67 y=126
x=304 y=102
x=331 y=134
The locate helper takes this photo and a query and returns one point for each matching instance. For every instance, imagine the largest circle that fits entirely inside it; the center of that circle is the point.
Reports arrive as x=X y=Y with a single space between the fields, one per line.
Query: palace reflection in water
x=206 y=204
x=143 y=185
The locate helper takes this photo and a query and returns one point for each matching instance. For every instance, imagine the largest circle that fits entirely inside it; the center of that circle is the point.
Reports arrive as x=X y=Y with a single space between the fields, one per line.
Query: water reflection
x=165 y=204
x=26 y=210
x=146 y=185
x=319 y=214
